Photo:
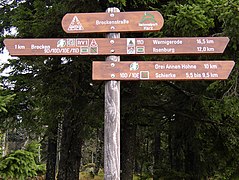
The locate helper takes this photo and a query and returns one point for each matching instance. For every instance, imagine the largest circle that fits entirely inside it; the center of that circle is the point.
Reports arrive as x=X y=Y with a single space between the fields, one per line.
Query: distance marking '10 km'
x=162 y=70
x=121 y=46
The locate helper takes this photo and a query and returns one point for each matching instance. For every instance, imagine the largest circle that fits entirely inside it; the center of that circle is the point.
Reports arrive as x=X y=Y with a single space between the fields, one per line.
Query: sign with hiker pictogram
x=161 y=70
x=120 y=46
x=112 y=22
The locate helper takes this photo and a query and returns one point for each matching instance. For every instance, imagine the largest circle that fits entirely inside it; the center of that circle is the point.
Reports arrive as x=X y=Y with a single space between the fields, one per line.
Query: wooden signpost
x=119 y=46
x=112 y=120
x=112 y=22
x=113 y=71
x=161 y=70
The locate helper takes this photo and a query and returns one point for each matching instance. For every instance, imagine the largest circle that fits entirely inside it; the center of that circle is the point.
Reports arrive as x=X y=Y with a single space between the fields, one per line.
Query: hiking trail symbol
x=130 y=45
x=75 y=25
x=93 y=47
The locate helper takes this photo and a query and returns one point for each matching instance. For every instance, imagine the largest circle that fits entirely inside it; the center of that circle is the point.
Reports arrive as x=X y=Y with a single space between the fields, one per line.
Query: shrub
x=21 y=164
x=18 y=165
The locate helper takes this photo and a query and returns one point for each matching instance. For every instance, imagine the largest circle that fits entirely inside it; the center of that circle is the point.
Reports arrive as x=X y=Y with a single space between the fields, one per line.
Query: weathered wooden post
x=112 y=118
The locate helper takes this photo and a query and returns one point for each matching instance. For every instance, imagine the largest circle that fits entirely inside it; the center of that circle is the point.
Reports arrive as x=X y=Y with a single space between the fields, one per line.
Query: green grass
x=87 y=176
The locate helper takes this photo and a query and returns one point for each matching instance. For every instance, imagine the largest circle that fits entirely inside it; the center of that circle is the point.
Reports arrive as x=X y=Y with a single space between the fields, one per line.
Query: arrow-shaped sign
x=162 y=70
x=121 y=46
x=112 y=22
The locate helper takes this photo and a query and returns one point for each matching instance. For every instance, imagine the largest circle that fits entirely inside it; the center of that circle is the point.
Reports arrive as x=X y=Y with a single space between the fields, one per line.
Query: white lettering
x=82 y=42
x=148 y=28
x=189 y=66
x=163 y=50
x=169 y=66
x=61 y=50
x=141 y=42
x=123 y=75
x=40 y=46
x=148 y=24
x=158 y=66
x=168 y=42
x=106 y=22
x=164 y=75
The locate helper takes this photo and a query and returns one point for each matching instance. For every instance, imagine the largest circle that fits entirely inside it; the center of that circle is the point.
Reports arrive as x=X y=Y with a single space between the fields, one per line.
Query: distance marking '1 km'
x=162 y=70
x=112 y=22
x=121 y=46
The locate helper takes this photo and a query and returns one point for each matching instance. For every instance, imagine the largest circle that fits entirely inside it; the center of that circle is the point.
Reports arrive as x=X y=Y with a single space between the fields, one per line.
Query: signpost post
x=112 y=119
x=113 y=71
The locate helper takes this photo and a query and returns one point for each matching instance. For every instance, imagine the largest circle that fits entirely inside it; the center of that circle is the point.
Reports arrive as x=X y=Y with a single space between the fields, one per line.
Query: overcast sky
x=3 y=59
x=4 y=56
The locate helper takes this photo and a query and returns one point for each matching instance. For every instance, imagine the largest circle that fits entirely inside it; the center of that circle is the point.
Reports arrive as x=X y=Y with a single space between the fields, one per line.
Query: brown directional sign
x=162 y=70
x=121 y=46
x=112 y=22
x=57 y=47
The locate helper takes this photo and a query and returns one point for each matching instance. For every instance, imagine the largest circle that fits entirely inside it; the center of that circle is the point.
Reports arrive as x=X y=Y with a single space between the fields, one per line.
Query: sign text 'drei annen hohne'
x=120 y=46
x=162 y=70
x=112 y=22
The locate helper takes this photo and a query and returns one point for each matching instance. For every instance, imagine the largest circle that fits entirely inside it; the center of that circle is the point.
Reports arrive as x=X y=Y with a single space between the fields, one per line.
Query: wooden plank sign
x=119 y=46
x=112 y=22
x=157 y=46
x=162 y=70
